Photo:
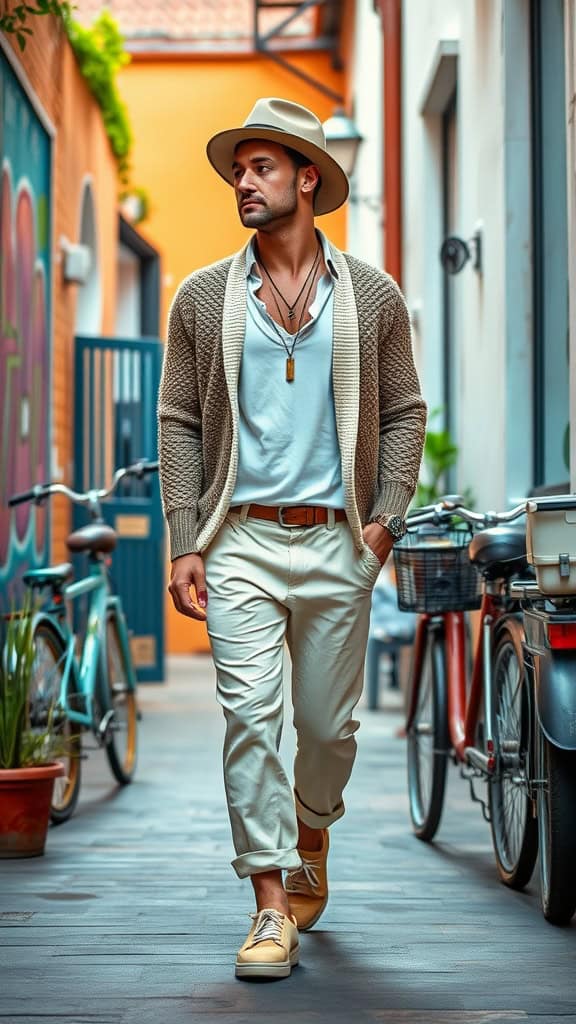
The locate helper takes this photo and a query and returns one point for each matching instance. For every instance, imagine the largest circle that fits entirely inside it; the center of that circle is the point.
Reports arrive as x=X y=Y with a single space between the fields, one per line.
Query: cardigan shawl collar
x=345 y=375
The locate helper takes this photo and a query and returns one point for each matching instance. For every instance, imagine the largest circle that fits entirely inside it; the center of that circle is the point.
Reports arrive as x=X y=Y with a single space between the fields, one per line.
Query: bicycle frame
x=86 y=673
x=463 y=707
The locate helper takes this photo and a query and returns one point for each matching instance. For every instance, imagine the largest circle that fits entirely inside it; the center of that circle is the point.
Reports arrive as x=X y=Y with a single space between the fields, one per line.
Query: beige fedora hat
x=289 y=124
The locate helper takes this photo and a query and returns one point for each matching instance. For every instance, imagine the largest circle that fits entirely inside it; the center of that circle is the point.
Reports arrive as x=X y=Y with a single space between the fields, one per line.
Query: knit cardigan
x=380 y=415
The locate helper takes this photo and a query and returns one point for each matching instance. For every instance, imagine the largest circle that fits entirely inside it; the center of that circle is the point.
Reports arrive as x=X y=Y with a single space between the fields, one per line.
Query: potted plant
x=28 y=757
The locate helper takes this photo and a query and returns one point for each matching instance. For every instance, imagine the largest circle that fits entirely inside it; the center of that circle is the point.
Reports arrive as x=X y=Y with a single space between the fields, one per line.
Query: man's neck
x=289 y=249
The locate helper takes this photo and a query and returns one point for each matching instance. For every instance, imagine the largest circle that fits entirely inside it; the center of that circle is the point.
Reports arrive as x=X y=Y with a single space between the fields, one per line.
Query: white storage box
x=551 y=543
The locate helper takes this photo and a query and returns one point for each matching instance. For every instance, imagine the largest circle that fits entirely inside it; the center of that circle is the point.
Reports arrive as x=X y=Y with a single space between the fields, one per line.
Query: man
x=291 y=433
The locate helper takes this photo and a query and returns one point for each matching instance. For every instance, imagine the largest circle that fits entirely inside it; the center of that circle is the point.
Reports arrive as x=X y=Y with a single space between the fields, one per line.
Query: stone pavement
x=134 y=916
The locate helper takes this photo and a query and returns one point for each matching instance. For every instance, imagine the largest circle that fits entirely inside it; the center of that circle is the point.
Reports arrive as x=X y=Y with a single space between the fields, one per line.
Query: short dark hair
x=299 y=160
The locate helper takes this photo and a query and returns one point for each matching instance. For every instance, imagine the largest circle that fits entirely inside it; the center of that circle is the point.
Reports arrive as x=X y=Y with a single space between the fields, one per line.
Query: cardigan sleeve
x=402 y=415
x=180 y=429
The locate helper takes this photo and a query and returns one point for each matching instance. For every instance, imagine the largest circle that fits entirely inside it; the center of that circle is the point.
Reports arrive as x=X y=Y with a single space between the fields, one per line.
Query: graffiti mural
x=24 y=325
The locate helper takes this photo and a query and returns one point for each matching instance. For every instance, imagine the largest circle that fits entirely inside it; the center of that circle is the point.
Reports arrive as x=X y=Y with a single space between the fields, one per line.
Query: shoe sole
x=265 y=970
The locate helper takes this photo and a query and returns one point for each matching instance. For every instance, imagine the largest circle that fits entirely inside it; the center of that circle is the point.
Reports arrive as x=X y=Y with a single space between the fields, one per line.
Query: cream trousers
x=311 y=588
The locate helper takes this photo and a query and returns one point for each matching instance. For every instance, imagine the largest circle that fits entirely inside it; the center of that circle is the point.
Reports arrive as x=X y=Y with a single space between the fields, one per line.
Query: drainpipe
x=392 y=32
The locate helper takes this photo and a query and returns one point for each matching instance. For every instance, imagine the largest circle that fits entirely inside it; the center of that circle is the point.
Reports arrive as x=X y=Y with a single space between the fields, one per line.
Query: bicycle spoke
x=427 y=743
x=513 y=831
x=121 y=745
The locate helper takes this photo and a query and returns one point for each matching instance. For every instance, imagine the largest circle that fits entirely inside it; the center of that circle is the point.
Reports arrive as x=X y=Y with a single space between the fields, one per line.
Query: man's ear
x=310 y=178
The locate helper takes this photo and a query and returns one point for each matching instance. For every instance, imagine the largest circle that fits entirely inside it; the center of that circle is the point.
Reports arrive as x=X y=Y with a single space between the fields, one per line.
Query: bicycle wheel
x=44 y=694
x=557 y=830
x=121 y=743
x=513 y=825
x=428 y=742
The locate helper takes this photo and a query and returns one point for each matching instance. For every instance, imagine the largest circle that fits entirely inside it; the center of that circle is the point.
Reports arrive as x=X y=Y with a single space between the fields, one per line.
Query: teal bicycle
x=88 y=682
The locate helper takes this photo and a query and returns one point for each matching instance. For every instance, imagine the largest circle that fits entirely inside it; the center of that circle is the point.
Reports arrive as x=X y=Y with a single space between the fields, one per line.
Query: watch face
x=396 y=527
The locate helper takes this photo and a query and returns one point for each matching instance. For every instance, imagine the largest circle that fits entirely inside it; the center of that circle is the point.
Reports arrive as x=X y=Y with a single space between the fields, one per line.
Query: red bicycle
x=453 y=560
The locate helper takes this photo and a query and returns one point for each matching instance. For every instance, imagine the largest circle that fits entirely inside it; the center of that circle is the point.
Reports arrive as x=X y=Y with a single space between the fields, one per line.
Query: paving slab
x=134 y=915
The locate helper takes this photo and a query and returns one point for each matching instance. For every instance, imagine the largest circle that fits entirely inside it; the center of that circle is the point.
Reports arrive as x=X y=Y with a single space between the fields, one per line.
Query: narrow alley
x=134 y=915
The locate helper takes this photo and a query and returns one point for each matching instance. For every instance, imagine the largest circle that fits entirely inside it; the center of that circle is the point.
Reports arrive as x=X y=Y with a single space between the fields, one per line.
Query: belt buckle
x=281 y=516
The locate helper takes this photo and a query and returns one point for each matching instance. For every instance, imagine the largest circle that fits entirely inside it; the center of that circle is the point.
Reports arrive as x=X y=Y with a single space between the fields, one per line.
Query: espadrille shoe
x=271 y=949
x=307 y=887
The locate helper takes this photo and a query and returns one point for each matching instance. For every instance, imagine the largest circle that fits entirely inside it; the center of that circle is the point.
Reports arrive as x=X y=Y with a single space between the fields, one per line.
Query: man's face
x=265 y=183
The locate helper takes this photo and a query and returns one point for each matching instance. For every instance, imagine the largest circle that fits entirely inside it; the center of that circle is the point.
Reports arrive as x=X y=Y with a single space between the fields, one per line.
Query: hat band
x=254 y=124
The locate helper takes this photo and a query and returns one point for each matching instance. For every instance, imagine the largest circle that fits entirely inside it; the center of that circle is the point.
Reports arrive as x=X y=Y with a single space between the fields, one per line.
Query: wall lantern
x=342 y=140
x=455 y=253
x=77 y=262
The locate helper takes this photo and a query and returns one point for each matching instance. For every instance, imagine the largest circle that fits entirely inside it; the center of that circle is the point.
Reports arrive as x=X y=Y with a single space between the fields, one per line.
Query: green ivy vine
x=100 y=54
x=14 y=19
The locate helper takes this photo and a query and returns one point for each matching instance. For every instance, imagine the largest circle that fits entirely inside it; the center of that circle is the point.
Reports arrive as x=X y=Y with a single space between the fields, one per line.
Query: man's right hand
x=188 y=571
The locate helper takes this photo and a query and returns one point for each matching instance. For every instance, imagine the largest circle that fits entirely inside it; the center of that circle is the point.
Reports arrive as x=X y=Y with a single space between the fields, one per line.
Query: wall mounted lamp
x=342 y=140
x=455 y=253
x=77 y=262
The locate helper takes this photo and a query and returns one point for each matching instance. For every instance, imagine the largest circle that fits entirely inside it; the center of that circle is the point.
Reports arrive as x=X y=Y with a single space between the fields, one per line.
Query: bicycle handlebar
x=452 y=505
x=41 y=492
x=19 y=499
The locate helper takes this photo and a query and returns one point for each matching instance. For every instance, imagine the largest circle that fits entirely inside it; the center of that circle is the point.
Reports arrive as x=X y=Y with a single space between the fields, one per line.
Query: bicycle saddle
x=96 y=538
x=51 y=575
x=499 y=551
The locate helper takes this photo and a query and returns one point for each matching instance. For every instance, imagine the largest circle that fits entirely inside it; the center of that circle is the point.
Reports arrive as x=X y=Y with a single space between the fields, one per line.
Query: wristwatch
x=395 y=525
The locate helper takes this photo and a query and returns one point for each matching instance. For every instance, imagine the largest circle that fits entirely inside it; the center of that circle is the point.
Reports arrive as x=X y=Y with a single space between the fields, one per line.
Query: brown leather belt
x=293 y=515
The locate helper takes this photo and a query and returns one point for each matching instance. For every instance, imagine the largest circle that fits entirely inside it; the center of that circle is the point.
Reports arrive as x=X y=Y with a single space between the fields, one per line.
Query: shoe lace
x=304 y=878
x=269 y=926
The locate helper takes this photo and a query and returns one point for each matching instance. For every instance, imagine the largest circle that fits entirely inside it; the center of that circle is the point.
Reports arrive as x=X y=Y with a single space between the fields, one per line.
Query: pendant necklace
x=290 y=363
x=291 y=307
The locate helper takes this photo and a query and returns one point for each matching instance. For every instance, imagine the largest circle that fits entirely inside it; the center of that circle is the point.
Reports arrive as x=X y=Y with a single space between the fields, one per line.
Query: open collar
x=327 y=253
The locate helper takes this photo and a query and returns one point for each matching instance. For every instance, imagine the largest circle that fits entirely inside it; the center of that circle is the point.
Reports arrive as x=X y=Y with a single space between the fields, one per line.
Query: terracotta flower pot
x=25 y=797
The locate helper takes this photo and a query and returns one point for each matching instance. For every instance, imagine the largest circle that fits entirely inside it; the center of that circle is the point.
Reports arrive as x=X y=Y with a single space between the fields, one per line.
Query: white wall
x=89 y=298
x=493 y=330
x=365 y=207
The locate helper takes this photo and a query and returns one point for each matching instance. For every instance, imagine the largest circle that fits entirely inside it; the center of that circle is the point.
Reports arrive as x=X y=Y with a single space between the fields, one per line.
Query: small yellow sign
x=143 y=650
x=132 y=526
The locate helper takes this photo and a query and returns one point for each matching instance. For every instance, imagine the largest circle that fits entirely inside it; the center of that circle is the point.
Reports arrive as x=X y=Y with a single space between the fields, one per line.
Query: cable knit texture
x=380 y=414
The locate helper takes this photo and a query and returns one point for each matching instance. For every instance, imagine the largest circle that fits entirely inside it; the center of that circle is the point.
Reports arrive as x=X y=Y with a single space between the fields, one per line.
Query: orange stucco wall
x=175 y=107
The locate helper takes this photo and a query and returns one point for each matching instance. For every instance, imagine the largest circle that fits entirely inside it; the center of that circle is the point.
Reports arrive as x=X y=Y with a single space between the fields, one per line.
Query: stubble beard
x=260 y=216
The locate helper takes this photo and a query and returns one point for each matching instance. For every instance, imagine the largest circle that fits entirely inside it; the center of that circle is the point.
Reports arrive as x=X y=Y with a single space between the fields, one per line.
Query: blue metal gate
x=116 y=387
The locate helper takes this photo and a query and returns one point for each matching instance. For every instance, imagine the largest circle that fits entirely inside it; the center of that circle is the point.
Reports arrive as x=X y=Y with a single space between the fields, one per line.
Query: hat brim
x=335 y=185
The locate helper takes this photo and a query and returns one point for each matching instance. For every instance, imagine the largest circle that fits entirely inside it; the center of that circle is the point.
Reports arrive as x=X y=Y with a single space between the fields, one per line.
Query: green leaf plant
x=440 y=454
x=21 y=746
x=14 y=17
x=100 y=54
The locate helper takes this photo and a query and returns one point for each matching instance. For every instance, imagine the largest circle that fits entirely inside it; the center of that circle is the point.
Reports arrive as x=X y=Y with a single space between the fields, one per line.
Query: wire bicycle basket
x=434 y=573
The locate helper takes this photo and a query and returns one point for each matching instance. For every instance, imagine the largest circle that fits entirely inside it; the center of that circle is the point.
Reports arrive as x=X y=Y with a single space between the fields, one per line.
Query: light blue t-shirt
x=288 y=444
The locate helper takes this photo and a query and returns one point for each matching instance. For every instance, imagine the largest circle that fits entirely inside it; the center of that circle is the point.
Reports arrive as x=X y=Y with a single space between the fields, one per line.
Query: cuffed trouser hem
x=314 y=820
x=266 y=860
